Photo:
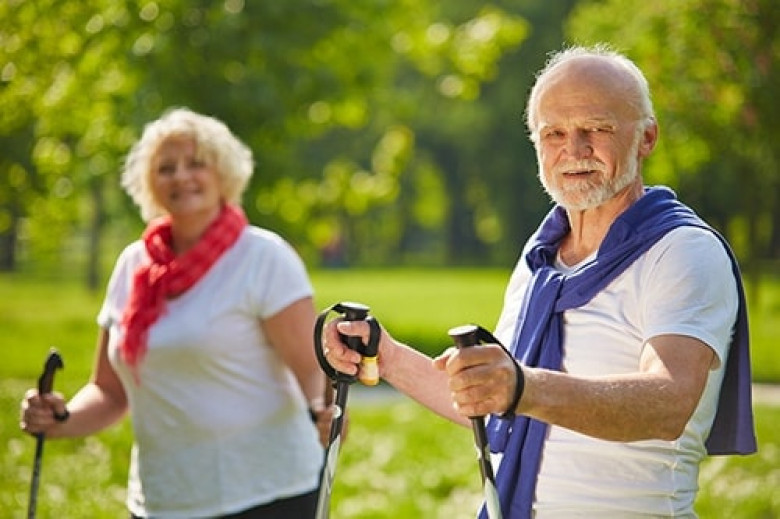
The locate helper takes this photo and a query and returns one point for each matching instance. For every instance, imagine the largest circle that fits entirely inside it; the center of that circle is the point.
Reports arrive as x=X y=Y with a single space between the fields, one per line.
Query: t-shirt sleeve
x=117 y=289
x=280 y=278
x=691 y=289
x=513 y=299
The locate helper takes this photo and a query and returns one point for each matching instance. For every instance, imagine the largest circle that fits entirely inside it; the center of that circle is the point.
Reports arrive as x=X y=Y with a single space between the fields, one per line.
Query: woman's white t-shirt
x=219 y=420
x=683 y=285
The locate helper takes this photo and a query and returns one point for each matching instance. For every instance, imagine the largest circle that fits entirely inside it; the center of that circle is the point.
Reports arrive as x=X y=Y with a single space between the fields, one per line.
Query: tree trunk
x=8 y=240
x=95 y=233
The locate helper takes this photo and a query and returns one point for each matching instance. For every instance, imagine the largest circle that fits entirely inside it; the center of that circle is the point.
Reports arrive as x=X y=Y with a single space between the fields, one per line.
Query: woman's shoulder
x=260 y=237
x=264 y=244
x=133 y=254
x=261 y=234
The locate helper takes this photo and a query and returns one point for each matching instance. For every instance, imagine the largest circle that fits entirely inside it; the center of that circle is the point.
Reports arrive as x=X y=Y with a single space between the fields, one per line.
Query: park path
x=768 y=394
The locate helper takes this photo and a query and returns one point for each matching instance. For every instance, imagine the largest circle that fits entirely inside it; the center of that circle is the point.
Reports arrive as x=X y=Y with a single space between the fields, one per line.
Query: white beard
x=589 y=194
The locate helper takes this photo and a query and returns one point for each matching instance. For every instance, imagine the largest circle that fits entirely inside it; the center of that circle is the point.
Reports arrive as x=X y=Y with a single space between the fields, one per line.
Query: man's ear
x=649 y=138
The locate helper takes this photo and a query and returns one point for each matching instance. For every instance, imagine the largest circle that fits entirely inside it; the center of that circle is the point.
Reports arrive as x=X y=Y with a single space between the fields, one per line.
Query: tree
x=62 y=88
x=327 y=94
x=714 y=69
x=501 y=158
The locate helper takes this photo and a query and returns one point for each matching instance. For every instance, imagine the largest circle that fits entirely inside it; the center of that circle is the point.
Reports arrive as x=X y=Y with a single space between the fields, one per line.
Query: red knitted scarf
x=168 y=275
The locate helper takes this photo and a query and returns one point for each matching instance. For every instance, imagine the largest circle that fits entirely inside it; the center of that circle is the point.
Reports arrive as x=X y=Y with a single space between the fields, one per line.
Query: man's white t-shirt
x=683 y=285
x=220 y=422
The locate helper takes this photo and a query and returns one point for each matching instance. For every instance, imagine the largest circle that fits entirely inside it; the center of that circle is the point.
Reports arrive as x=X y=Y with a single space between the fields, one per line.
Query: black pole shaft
x=36 y=476
x=45 y=386
x=467 y=336
x=481 y=441
x=351 y=312
x=337 y=425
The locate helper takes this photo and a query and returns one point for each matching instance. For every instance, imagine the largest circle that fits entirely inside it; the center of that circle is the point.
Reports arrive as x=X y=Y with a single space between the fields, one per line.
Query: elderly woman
x=205 y=339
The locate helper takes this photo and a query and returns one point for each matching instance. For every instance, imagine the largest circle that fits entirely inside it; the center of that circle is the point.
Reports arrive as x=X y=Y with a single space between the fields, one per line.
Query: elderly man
x=625 y=318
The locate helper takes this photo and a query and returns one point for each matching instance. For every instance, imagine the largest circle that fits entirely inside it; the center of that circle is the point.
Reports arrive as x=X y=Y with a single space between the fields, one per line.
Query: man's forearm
x=633 y=407
x=413 y=374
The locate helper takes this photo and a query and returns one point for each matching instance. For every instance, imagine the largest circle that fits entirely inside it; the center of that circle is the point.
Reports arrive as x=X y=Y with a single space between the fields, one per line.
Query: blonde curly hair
x=215 y=144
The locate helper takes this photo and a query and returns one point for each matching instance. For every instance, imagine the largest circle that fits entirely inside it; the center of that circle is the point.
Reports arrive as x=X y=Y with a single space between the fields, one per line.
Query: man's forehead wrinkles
x=576 y=121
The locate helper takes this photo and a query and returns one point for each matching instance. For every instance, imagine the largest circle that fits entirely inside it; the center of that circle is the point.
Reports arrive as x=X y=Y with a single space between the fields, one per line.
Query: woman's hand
x=40 y=413
x=323 y=419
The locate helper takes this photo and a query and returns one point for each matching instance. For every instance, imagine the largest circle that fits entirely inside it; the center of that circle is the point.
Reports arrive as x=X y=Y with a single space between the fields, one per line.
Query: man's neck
x=590 y=226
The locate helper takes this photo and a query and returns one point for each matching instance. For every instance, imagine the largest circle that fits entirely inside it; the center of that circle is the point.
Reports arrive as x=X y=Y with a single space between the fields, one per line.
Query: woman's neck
x=187 y=230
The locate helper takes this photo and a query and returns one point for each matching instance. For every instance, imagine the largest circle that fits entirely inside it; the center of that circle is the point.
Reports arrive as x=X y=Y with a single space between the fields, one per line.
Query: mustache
x=579 y=166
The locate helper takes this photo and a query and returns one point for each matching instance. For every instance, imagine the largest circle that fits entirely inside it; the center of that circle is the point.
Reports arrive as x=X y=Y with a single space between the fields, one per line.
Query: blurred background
x=391 y=151
x=385 y=132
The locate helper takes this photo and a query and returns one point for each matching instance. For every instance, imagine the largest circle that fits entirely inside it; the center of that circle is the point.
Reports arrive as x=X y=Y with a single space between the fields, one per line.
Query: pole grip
x=46 y=380
x=467 y=336
x=369 y=370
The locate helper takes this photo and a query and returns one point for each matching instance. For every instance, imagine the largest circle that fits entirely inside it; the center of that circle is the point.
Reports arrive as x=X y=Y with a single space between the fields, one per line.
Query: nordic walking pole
x=467 y=336
x=342 y=381
x=45 y=385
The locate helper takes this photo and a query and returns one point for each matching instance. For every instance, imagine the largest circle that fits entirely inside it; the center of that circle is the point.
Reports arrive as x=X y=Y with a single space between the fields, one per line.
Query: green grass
x=418 y=306
x=399 y=460
x=764 y=313
x=745 y=486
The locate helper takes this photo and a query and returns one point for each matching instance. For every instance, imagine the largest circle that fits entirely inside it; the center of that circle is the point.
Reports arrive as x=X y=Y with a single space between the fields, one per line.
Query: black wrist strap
x=509 y=414
x=485 y=336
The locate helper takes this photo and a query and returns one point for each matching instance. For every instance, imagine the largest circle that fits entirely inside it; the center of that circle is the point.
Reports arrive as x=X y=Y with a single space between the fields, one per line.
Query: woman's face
x=183 y=183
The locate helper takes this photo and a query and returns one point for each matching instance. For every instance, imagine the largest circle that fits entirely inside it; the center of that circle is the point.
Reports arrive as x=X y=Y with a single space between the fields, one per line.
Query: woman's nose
x=180 y=171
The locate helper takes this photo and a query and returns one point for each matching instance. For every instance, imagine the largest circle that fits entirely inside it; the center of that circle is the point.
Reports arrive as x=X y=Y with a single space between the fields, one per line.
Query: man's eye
x=552 y=134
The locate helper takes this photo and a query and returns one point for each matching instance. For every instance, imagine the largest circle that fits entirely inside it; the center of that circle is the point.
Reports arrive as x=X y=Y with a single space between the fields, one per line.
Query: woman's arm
x=291 y=333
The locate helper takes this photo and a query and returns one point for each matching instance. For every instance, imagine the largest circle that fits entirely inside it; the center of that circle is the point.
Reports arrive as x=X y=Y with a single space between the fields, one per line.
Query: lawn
x=398 y=461
x=418 y=306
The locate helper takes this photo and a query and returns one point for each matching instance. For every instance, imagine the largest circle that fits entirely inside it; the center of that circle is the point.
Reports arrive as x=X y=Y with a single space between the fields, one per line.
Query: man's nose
x=578 y=144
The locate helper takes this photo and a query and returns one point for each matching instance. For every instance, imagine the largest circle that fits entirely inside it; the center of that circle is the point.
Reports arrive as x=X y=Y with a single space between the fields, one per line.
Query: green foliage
x=709 y=64
x=64 y=85
x=389 y=132
x=329 y=96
